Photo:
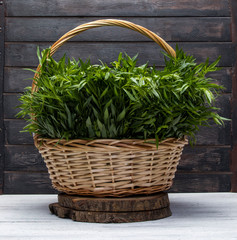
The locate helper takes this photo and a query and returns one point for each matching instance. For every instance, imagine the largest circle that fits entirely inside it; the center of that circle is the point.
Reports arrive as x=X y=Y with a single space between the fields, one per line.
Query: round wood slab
x=108 y=204
x=112 y=210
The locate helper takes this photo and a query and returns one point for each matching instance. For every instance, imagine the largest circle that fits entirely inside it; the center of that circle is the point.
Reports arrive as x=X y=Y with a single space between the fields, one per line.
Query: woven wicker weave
x=110 y=167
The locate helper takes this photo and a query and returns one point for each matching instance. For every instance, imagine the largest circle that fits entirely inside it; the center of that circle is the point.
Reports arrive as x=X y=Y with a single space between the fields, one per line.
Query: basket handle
x=107 y=22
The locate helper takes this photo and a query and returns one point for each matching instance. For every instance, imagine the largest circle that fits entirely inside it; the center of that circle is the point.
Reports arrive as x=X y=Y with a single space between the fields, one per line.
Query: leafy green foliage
x=76 y=99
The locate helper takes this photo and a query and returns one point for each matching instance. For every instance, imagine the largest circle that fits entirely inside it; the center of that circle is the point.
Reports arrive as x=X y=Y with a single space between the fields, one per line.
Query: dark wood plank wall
x=234 y=98
x=200 y=27
x=1 y=95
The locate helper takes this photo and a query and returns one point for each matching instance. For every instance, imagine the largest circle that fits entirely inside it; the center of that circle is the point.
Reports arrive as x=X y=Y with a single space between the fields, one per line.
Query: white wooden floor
x=210 y=216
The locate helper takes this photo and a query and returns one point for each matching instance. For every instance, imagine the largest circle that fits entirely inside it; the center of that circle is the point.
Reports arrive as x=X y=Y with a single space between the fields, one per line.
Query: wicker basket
x=110 y=167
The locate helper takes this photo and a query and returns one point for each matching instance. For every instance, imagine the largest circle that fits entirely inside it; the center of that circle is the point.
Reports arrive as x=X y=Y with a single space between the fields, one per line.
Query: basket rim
x=88 y=140
x=108 y=145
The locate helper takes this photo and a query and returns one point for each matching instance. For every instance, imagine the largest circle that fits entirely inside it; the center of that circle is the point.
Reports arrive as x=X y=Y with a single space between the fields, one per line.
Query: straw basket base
x=112 y=210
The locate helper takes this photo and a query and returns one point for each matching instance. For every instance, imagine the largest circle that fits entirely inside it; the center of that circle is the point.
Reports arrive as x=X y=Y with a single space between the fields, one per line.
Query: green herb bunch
x=75 y=99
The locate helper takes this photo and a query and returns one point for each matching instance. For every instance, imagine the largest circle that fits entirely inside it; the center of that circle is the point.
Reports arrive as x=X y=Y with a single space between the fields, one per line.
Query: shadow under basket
x=110 y=167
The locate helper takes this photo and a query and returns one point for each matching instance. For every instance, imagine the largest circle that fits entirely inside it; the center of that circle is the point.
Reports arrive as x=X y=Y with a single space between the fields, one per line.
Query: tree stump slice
x=112 y=210
x=109 y=204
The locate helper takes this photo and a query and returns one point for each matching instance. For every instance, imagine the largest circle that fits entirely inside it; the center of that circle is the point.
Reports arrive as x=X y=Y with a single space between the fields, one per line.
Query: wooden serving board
x=112 y=210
